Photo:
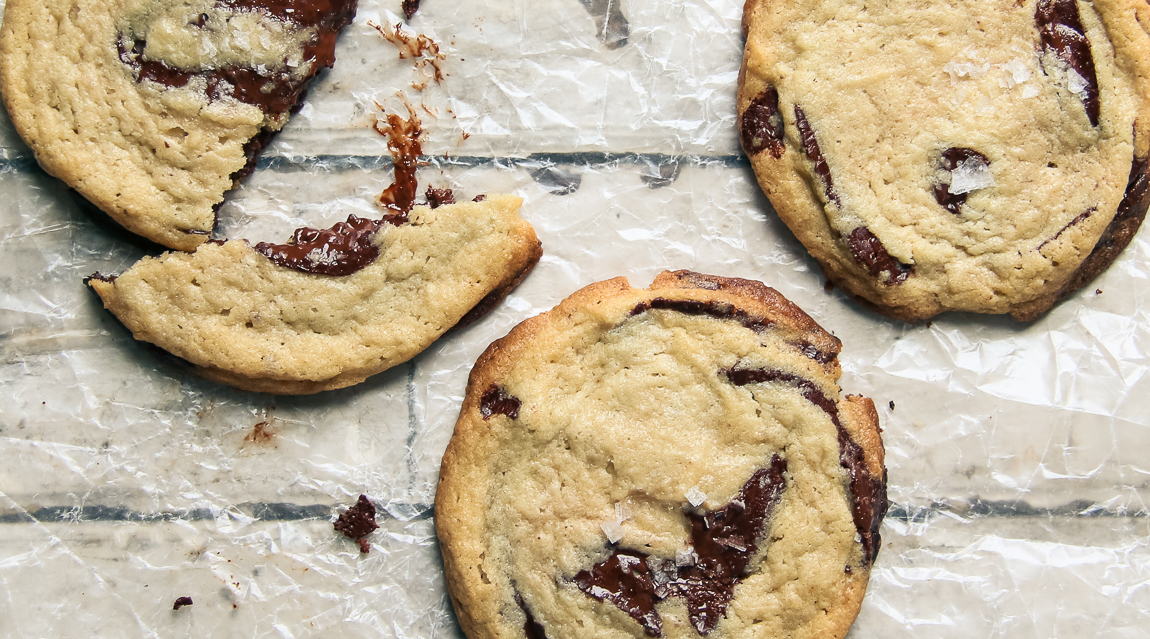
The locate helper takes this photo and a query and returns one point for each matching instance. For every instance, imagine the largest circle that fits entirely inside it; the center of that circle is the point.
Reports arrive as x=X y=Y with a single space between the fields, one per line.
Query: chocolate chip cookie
x=153 y=109
x=332 y=307
x=975 y=155
x=677 y=461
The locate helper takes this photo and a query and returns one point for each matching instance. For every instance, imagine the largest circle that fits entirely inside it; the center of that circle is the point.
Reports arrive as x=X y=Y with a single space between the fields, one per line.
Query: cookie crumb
x=181 y=602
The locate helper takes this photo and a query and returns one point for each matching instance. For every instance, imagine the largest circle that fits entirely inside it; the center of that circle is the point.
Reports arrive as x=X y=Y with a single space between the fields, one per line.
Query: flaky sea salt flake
x=970 y=175
x=1077 y=83
x=622 y=512
x=696 y=497
x=613 y=530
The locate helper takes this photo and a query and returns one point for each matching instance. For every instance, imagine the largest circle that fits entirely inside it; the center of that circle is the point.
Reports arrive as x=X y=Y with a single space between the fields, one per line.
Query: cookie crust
x=863 y=106
x=243 y=320
x=629 y=398
x=156 y=147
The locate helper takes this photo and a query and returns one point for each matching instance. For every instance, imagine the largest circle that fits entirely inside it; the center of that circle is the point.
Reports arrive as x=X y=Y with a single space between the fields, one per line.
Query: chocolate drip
x=438 y=197
x=273 y=92
x=1060 y=28
x=870 y=252
x=342 y=250
x=718 y=310
x=409 y=8
x=811 y=147
x=867 y=493
x=723 y=541
x=496 y=402
x=950 y=160
x=761 y=126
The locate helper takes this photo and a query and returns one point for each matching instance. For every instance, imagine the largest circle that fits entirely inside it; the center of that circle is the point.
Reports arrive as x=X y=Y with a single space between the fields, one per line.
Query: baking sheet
x=1016 y=453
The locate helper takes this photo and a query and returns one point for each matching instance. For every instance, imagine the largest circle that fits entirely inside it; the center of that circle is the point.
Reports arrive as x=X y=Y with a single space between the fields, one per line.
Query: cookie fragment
x=153 y=109
x=332 y=309
x=670 y=462
x=357 y=523
x=976 y=167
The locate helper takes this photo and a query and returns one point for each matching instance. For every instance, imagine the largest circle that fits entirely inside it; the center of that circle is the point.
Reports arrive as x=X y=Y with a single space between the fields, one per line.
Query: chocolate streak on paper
x=406 y=149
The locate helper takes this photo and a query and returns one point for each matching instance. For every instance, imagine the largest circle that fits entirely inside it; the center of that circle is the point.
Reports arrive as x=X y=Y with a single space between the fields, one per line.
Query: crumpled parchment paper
x=1016 y=453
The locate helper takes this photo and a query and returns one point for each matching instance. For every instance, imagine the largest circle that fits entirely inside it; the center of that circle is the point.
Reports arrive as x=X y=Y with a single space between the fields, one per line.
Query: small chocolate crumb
x=358 y=522
x=892 y=404
x=438 y=197
x=181 y=602
x=1097 y=291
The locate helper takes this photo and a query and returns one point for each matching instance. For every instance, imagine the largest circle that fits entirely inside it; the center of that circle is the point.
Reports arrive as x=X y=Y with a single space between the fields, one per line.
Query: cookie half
x=670 y=462
x=334 y=306
x=974 y=155
x=153 y=109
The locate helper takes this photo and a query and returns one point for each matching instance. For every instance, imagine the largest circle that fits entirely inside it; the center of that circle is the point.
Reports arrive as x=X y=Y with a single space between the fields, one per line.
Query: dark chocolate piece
x=761 y=125
x=358 y=522
x=867 y=493
x=438 y=197
x=409 y=8
x=949 y=161
x=181 y=602
x=496 y=402
x=811 y=147
x=1060 y=28
x=341 y=250
x=870 y=252
x=625 y=580
x=723 y=542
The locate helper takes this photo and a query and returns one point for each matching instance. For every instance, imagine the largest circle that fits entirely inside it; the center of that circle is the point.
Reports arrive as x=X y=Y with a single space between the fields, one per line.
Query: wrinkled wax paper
x=1017 y=453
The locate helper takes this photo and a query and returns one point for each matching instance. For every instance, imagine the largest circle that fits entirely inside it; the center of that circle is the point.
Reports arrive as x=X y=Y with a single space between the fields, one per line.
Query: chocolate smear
x=343 y=249
x=1060 y=29
x=761 y=126
x=406 y=149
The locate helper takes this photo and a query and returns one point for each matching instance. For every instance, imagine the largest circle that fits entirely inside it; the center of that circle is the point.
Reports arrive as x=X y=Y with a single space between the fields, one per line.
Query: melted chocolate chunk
x=272 y=91
x=497 y=402
x=404 y=144
x=409 y=8
x=867 y=493
x=1060 y=28
x=341 y=250
x=625 y=580
x=531 y=628
x=438 y=197
x=718 y=310
x=950 y=160
x=870 y=252
x=181 y=602
x=761 y=126
x=723 y=540
x=811 y=147
x=358 y=522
